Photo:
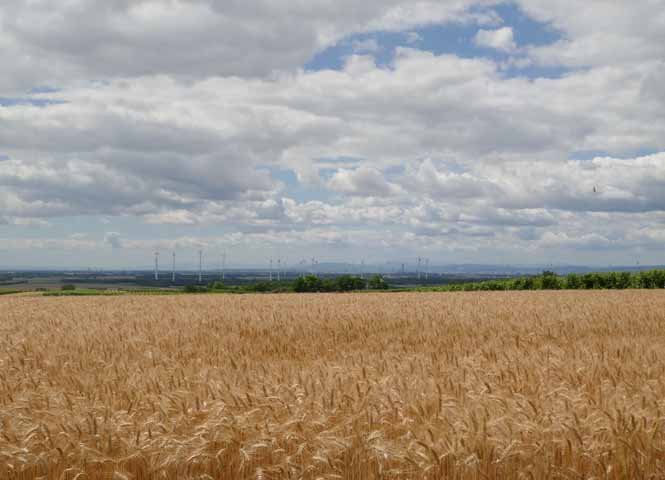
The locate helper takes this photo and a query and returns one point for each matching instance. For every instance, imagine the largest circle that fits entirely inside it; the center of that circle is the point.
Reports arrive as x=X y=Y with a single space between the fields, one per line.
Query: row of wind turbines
x=222 y=269
x=276 y=267
x=173 y=269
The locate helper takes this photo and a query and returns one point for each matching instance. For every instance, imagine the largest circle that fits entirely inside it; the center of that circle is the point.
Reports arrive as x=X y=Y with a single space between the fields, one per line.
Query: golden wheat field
x=360 y=386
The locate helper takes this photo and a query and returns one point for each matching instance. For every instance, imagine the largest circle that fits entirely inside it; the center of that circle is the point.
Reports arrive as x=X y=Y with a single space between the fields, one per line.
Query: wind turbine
x=200 y=266
x=173 y=271
x=223 y=266
x=271 y=269
x=156 y=266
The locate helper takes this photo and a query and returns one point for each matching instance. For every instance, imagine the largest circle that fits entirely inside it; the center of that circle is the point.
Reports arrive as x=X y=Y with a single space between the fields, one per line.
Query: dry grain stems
x=398 y=386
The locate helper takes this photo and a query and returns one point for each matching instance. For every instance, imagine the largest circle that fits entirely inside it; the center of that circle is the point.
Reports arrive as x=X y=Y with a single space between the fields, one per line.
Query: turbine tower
x=173 y=271
x=223 y=266
x=419 y=262
x=279 y=269
x=271 y=269
x=156 y=266
x=200 y=266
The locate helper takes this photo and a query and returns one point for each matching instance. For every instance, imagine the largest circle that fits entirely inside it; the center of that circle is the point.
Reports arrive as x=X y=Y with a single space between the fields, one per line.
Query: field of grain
x=367 y=386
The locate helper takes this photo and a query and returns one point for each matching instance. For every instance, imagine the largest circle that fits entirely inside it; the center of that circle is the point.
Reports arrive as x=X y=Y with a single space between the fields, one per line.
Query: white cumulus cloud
x=500 y=39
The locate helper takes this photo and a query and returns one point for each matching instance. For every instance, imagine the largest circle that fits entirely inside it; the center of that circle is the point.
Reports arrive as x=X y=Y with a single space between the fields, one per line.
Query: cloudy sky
x=479 y=131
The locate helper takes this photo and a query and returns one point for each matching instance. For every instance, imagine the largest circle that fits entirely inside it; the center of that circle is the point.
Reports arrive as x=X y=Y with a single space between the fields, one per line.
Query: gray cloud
x=98 y=39
x=195 y=114
x=601 y=33
x=364 y=181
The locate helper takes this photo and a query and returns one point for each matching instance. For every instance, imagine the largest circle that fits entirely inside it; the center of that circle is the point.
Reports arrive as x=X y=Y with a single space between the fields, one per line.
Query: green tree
x=262 y=287
x=549 y=281
x=348 y=283
x=309 y=283
x=195 y=289
x=589 y=281
x=217 y=286
x=573 y=282
x=377 y=282
x=625 y=280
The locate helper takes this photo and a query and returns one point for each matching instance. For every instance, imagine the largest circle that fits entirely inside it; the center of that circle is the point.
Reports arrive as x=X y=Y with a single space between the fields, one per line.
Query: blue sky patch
x=295 y=189
x=36 y=102
x=451 y=39
x=526 y=30
x=591 y=154
x=44 y=89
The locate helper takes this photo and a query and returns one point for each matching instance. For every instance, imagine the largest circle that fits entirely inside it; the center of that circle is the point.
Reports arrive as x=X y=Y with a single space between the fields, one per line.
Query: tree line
x=548 y=280
x=305 y=284
x=551 y=281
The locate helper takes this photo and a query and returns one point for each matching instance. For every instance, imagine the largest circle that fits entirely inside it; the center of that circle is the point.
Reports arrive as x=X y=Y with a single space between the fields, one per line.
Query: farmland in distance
x=350 y=386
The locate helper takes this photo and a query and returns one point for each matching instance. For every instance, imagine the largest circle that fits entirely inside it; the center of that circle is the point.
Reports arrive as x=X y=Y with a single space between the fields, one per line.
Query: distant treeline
x=546 y=281
x=310 y=283
x=551 y=281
